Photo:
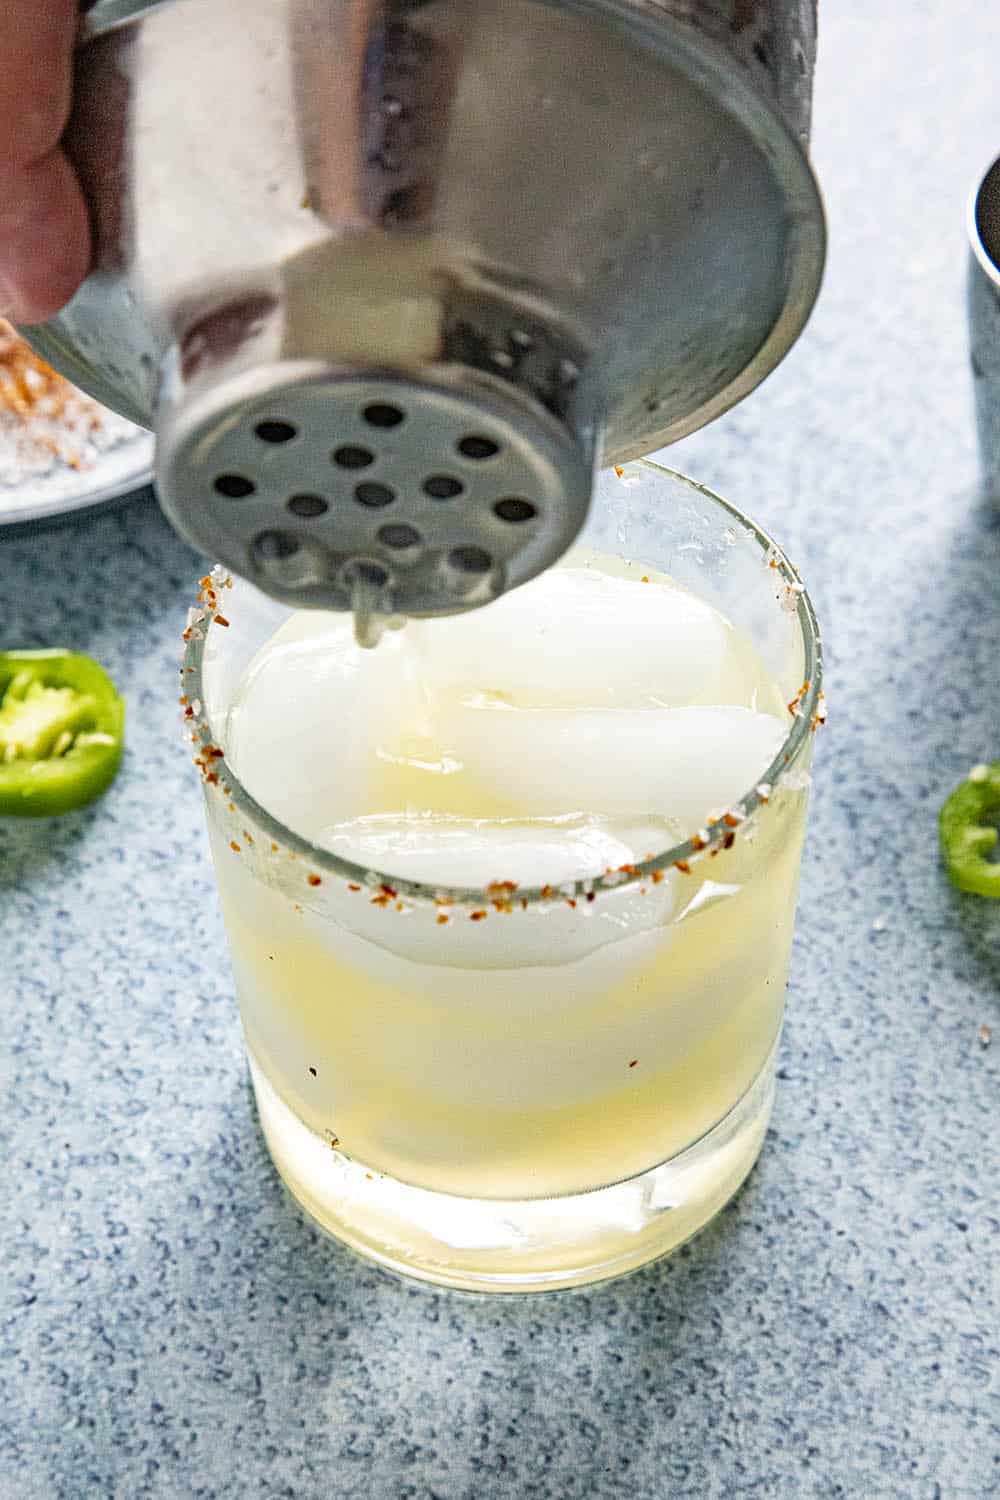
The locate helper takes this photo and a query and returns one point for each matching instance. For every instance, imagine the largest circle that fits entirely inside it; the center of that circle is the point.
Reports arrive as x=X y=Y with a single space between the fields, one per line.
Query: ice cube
x=579 y=636
x=469 y=852
x=303 y=729
x=675 y=763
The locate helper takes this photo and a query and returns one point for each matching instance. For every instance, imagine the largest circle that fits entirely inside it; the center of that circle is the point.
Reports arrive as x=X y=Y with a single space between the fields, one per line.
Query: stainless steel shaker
x=390 y=277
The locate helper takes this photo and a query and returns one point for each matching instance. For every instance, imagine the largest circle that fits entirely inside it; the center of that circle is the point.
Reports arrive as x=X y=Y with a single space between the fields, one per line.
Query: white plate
x=61 y=490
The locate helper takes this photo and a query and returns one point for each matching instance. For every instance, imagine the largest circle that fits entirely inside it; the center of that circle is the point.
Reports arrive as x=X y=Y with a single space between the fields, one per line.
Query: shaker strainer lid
x=495 y=245
x=375 y=493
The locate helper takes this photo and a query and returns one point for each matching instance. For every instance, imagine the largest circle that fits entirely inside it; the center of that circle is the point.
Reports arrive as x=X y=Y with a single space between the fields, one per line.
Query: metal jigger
x=983 y=293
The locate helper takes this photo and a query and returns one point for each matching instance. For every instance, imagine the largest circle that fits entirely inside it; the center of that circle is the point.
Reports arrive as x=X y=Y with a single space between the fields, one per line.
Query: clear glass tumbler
x=521 y=1090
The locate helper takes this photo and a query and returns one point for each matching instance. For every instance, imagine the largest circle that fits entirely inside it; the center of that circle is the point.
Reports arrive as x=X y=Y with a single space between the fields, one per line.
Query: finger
x=36 y=39
x=44 y=239
x=44 y=232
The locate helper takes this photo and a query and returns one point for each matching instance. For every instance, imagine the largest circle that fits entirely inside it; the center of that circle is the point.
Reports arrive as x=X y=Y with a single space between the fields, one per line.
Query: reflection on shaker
x=984 y=322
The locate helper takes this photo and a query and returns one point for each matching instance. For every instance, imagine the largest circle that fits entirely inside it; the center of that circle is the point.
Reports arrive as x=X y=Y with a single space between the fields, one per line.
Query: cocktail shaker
x=390 y=279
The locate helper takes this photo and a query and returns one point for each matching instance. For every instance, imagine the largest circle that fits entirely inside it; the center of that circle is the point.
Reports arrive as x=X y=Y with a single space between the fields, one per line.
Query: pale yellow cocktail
x=499 y=1039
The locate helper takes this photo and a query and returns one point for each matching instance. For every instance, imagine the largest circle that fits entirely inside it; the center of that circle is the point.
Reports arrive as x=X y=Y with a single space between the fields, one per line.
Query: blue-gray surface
x=171 y=1329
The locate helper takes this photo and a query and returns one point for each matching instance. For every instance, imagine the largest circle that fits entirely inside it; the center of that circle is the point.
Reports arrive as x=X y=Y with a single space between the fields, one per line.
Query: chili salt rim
x=708 y=841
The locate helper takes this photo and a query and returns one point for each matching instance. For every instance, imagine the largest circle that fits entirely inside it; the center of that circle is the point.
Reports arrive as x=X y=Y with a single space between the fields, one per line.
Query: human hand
x=44 y=229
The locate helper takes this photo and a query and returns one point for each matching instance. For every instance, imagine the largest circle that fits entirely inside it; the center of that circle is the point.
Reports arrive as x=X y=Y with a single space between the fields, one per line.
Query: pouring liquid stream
x=371 y=611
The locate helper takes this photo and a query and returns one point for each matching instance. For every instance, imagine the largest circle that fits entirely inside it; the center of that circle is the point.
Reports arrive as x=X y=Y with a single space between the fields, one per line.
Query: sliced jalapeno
x=967 y=835
x=62 y=725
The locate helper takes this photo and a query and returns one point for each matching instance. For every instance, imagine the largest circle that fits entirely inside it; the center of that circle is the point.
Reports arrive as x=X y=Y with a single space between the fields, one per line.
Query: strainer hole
x=443 y=487
x=307 y=506
x=234 y=486
x=515 y=510
x=382 y=414
x=275 y=431
x=478 y=447
x=351 y=456
x=470 y=559
x=373 y=495
x=398 y=535
x=272 y=546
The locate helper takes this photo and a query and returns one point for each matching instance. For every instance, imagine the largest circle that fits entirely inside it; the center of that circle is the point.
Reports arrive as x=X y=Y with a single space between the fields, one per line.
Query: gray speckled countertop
x=171 y=1329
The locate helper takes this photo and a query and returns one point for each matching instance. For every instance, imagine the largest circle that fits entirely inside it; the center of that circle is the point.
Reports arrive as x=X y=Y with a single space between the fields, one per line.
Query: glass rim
x=807 y=714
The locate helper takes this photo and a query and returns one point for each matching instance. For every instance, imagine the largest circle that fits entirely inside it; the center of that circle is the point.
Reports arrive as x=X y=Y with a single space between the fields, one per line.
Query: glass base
x=523 y=1245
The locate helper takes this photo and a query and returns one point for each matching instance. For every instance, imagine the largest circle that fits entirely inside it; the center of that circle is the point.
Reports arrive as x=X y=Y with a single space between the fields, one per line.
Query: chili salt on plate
x=60 y=450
